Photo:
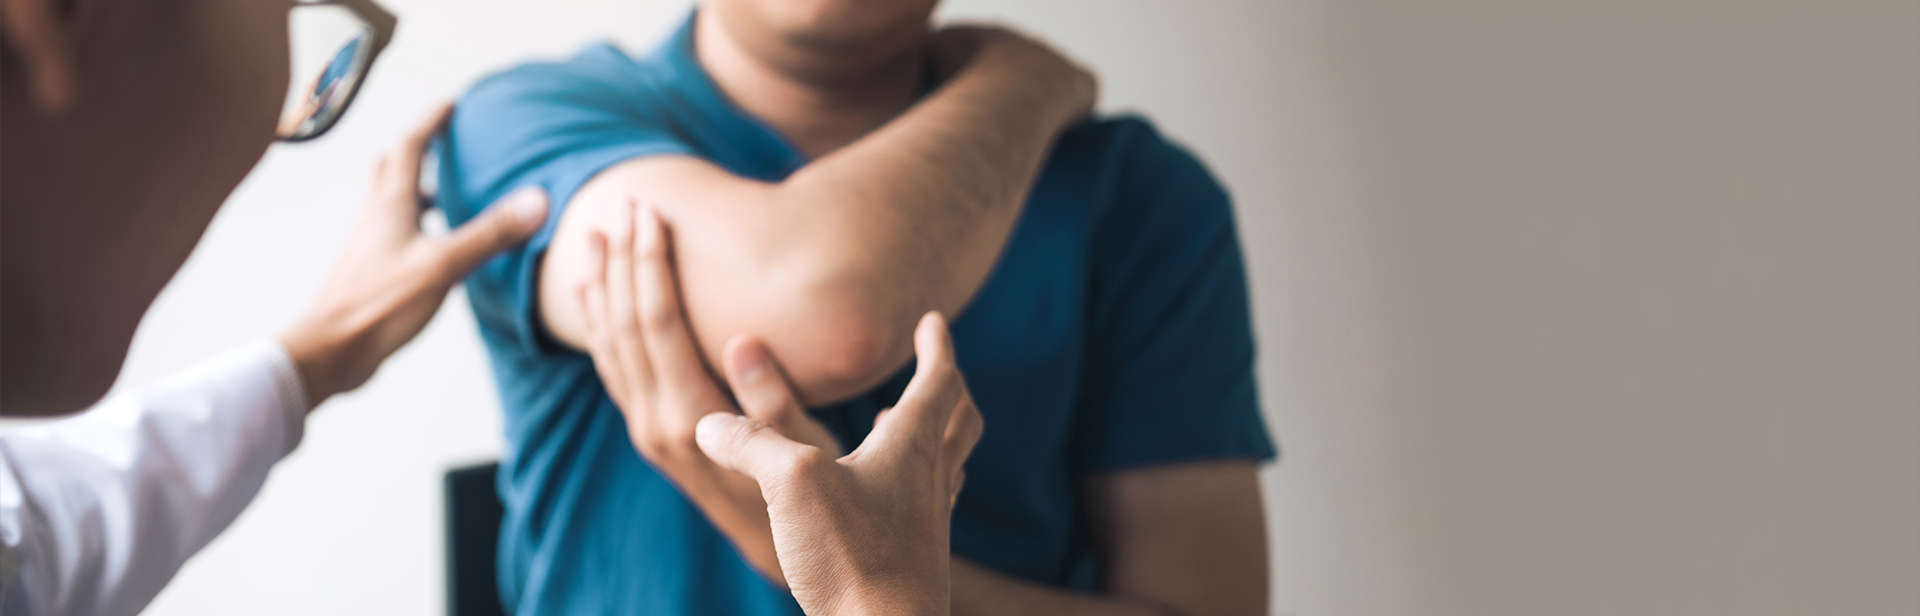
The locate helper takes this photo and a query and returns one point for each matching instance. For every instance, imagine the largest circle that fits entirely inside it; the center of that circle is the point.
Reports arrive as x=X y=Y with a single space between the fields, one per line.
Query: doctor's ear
x=39 y=34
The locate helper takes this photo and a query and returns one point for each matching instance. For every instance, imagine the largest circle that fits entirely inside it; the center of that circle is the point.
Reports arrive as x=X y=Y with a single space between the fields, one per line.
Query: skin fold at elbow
x=835 y=342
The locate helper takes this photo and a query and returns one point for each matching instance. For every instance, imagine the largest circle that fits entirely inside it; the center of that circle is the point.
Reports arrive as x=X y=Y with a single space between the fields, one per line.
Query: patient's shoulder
x=599 y=76
x=1128 y=146
x=1129 y=167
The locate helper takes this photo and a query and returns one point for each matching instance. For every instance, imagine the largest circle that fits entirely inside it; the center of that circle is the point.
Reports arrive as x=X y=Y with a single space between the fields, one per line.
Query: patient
x=831 y=171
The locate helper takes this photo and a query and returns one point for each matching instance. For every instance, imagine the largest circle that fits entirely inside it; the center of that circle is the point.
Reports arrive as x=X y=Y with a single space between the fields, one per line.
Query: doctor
x=127 y=124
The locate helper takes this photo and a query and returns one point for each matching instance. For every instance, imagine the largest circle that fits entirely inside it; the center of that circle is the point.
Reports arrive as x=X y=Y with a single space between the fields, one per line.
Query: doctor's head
x=126 y=126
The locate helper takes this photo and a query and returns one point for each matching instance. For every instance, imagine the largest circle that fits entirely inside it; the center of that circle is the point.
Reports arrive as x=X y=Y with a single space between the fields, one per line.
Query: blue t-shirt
x=1112 y=334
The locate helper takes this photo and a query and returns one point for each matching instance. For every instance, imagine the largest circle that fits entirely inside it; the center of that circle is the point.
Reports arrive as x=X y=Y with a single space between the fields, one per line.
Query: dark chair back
x=473 y=533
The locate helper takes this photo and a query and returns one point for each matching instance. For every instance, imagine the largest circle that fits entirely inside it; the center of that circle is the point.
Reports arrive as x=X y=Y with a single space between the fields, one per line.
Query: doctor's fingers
x=396 y=181
x=918 y=423
x=682 y=375
x=508 y=222
x=764 y=393
x=592 y=297
x=751 y=447
x=622 y=328
x=963 y=433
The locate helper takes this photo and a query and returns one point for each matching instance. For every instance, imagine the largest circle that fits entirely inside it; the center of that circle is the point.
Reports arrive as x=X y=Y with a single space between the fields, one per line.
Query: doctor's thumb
x=750 y=447
x=510 y=221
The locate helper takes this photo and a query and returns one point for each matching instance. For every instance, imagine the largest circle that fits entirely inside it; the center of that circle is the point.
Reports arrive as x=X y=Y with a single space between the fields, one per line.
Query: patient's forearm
x=833 y=266
x=912 y=217
x=931 y=196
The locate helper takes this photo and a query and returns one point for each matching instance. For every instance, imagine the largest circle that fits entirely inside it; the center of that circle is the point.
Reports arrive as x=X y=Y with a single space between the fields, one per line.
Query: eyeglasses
x=336 y=40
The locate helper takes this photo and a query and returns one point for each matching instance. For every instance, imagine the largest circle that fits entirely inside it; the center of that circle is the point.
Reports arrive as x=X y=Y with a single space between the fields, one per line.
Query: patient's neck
x=818 y=100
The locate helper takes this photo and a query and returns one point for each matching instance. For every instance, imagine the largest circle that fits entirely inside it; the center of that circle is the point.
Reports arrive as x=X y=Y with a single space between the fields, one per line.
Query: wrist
x=317 y=353
x=892 y=600
x=922 y=588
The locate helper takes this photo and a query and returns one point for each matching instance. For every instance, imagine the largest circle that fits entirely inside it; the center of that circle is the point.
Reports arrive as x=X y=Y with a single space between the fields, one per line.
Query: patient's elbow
x=848 y=344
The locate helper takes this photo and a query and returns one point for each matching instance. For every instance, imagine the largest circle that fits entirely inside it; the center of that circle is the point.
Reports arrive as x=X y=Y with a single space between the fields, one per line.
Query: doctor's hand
x=646 y=355
x=392 y=277
x=866 y=533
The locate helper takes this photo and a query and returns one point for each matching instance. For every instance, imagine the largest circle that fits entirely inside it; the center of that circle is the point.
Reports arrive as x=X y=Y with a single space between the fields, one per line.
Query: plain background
x=1565 y=308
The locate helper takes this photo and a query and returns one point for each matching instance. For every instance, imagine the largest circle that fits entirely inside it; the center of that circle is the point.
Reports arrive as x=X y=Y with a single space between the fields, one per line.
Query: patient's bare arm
x=833 y=266
x=890 y=506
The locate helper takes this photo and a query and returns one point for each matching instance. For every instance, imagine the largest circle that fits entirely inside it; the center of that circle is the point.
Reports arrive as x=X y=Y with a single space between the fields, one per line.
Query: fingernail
x=712 y=423
x=753 y=363
x=530 y=204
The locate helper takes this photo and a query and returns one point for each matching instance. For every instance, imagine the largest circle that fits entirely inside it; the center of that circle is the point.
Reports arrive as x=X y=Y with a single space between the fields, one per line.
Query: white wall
x=1565 y=308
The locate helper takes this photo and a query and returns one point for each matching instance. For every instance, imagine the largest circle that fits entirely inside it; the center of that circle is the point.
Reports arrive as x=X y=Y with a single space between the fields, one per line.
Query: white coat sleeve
x=98 y=511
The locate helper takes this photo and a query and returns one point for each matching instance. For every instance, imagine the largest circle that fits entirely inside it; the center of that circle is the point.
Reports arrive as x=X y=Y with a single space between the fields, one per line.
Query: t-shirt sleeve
x=549 y=125
x=1170 y=354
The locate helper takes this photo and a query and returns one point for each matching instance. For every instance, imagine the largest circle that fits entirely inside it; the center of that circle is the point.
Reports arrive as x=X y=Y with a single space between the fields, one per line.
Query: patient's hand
x=866 y=533
x=647 y=356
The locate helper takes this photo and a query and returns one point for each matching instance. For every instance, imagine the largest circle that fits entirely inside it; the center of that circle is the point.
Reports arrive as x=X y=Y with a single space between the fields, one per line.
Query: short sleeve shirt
x=1112 y=334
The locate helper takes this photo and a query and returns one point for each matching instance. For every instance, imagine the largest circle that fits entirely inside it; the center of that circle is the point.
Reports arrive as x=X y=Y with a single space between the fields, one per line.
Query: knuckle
x=623 y=324
x=649 y=442
x=804 y=464
x=657 y=443
x=655 y=252
x=621 y=334
x=680 y=446
x=444 y=264
x=658 y=313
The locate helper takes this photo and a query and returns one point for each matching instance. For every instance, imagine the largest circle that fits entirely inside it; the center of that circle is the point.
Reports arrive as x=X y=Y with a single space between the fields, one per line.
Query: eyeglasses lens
x=331 y=49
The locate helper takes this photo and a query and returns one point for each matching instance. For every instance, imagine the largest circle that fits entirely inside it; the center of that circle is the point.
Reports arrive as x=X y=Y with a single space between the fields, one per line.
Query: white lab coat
x=98 y=511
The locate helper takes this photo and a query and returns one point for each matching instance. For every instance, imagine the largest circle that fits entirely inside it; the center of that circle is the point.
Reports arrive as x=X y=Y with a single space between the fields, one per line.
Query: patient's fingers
x=681 y=375
x=764 y=393
x=749 y=446
x=919 y=420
